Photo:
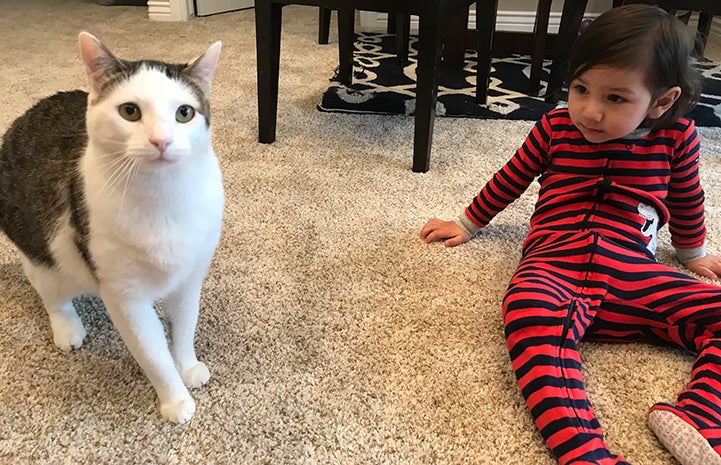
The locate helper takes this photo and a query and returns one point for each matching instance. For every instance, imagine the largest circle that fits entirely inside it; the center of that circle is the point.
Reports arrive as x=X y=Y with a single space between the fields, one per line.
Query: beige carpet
x=333 y=334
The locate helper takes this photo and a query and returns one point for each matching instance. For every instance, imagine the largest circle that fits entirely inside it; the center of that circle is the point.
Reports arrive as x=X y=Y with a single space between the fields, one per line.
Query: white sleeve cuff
x=686 y=255
x=467 y=225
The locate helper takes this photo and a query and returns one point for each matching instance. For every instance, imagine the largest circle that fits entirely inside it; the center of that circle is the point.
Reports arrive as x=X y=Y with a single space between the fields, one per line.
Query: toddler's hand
x=447 y=231
x=708 y=266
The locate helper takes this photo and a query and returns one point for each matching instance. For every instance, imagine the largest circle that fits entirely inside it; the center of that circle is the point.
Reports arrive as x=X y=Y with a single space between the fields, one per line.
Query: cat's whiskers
x=133 y=164
x=118 y=168
x=113 y=156
x=124 y=170
x=112 y=160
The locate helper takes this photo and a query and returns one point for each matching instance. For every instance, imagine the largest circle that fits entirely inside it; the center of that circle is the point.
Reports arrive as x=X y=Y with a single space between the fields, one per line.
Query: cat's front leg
x=144 y=335
x=181 y=309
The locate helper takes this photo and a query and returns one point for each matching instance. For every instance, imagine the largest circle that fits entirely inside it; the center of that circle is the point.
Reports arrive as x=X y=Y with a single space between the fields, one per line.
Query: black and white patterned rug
x=382 y=86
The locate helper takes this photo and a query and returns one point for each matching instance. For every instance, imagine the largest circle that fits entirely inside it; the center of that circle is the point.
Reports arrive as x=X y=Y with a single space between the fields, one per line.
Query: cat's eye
x=184 y=113
x=129 y=111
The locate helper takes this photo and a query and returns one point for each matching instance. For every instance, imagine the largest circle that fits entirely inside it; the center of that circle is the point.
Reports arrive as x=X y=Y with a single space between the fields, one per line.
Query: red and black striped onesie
x=588 y=268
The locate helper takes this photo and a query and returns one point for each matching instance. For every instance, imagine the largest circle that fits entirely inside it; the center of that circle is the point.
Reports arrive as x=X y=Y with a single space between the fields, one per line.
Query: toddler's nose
x=593 y=112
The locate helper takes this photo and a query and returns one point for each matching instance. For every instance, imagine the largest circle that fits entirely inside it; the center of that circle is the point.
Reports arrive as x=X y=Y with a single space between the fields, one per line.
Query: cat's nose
x=160 y=143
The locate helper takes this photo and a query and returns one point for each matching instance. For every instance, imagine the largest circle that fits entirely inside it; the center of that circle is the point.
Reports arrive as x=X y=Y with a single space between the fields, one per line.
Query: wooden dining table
x=434 y=17
x=431 y=14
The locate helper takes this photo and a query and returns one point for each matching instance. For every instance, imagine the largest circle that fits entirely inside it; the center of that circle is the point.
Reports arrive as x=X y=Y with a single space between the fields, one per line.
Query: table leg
x=268 y=19
x=323 y=25
x=346 y=45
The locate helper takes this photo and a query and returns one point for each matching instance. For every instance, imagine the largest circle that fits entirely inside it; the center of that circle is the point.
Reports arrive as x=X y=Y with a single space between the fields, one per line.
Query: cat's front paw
x=180 y=411
x=68 y=333
x=196 y=376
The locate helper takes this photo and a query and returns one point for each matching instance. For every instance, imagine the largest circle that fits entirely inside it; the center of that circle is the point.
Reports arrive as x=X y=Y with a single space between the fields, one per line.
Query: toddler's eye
x=129 y=111
x=184 y=113
x=580 y=89
x=613 y=98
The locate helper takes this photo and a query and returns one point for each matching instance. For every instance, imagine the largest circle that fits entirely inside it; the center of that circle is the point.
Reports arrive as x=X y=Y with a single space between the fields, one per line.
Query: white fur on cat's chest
x=158 y=230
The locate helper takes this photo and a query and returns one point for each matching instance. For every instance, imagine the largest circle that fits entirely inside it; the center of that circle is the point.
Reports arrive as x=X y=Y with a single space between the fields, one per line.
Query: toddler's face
x=607 y=103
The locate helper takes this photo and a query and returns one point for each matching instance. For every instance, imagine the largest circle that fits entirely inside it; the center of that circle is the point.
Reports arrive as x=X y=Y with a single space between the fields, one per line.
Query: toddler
x=615 y=166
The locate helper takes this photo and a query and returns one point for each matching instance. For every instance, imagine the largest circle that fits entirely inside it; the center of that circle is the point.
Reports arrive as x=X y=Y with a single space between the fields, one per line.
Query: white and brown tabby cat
x=117 y=192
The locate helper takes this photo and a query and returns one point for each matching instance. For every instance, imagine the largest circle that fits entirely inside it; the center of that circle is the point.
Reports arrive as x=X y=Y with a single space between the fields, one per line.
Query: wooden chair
x=706 y=8
x=457 y=40
x=540 y=34
x=399 y=24
x=484 y=40
x=571 y=18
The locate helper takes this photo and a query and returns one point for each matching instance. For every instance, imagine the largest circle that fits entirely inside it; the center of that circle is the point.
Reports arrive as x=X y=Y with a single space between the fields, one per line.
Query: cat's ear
x=201 y=70
x=100 y=64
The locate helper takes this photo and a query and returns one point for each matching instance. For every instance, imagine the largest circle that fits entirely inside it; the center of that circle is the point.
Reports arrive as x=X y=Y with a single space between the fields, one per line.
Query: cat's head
x=147 y=112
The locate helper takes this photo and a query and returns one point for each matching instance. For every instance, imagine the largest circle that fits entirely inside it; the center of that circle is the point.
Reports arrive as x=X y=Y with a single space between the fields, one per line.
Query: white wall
x=513 y=15
x=519 y=16
x=594 y=6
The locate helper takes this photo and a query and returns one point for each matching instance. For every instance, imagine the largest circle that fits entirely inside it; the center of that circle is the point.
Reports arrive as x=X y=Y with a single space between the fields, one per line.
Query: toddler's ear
x=664 y=102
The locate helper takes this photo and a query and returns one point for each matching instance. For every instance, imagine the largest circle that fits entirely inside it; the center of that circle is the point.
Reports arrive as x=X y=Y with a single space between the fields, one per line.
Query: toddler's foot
x=685 y=442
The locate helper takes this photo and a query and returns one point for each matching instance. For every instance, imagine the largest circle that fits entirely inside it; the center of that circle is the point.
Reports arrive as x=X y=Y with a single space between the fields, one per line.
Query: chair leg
x=540 y=32
x=486 y=27
x=702 y=32
x=403 y=35
x=571 y=18
x=454 y=40
x=346 y=20
x=323 y=25
x=391 y=24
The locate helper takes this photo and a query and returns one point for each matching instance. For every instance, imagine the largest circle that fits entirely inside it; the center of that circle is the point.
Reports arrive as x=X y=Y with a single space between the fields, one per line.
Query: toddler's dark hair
x=646 y=38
